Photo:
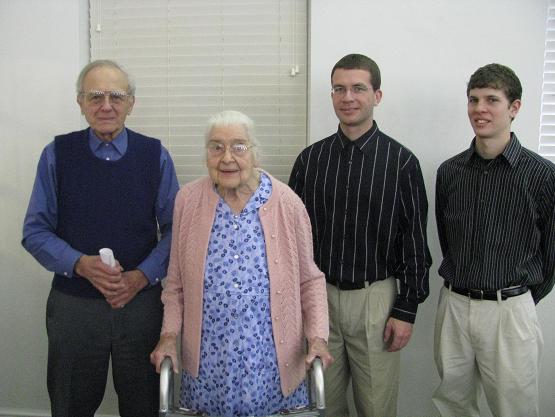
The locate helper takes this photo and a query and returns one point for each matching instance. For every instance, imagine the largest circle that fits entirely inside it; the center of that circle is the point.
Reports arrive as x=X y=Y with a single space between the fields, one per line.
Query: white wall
x=43 y=45
x=426 y=49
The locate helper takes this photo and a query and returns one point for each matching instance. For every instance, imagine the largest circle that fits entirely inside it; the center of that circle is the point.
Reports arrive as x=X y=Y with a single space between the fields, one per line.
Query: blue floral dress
x=238 y=374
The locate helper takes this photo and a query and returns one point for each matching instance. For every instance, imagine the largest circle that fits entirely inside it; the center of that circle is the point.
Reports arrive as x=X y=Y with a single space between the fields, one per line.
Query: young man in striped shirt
x=495 y=208
x=365 y=196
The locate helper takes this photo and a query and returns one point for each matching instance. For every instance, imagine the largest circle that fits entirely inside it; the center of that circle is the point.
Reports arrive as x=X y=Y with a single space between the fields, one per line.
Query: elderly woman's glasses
x=218 y=149
x=97 y=98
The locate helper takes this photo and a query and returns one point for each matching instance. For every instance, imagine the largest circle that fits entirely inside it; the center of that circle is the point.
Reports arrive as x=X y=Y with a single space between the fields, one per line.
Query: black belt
x=490 y=295
x=345 y=285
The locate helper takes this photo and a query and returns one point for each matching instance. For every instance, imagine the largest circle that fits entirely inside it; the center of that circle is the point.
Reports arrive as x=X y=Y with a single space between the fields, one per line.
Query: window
x=547 y=122
x=191 y=59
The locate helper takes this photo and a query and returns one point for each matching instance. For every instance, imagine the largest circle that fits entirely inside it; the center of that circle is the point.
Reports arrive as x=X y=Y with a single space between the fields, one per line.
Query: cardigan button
x=276 y=261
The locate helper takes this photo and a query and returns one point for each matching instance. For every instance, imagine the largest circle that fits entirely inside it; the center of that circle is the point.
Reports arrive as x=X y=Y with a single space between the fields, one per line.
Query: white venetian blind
x=193 y=58
x=547 y=123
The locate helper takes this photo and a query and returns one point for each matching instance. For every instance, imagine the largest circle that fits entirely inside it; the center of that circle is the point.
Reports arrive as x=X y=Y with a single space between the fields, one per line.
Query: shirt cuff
x=68 y=259
x=404 y=310
x=152 y=273
x=534 y=292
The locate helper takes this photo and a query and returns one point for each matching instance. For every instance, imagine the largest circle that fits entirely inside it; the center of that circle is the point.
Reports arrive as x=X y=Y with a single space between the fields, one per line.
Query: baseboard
x=21 y=412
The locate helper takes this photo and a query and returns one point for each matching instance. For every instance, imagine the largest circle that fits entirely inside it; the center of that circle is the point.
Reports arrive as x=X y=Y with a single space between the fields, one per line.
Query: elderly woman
x=242 y=287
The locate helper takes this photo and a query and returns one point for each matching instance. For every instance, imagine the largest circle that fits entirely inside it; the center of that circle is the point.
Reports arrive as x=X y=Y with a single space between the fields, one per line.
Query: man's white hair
x=104 y=63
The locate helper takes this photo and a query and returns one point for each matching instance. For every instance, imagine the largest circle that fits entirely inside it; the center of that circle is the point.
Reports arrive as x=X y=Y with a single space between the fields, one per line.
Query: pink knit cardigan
x=297 y=287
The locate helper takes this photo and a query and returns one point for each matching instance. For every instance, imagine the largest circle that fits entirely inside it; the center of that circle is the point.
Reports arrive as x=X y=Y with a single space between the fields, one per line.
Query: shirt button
x=107 y=158
x=350 y=162
x=66 y=274
x=236 y=285
x=235 y=226
x=236 y=256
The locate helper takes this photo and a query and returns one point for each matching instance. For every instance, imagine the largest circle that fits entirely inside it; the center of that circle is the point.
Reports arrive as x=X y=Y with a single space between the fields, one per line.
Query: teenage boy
x=495 y=208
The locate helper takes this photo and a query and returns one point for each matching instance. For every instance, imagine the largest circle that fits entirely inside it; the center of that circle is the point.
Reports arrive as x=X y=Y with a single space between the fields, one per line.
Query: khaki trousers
x=357 y=323
x=495 y=343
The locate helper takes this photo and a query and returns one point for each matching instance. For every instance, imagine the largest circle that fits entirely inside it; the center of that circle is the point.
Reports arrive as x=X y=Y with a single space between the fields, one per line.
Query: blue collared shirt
x=41 y=220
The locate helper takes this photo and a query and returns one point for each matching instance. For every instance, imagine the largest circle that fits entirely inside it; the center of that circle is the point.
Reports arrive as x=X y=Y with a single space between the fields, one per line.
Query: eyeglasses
x=96 y=98
x=355 y=90
x=236 y=149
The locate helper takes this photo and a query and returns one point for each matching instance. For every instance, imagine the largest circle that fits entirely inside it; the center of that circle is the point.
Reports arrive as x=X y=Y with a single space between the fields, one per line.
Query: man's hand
x=105 y=279
x=133 y=282
x=397 y=333
x=318 y=348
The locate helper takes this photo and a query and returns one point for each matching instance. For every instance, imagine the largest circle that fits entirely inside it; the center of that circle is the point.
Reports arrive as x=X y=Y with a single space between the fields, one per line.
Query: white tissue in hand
x=107 y=256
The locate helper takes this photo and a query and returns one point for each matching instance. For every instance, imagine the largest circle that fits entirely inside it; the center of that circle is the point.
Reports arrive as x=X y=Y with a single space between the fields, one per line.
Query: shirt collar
x=363 y=141
x=119 y=143
x=261 y=195
x=512 y=150
x=510 y=153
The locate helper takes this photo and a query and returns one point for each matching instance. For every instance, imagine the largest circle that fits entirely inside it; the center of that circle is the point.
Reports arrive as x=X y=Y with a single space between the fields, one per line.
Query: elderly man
x=105 y=186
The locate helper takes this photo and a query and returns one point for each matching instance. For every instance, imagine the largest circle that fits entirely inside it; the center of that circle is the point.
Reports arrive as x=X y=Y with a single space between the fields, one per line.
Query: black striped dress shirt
x=367 y=204
x=496 y=220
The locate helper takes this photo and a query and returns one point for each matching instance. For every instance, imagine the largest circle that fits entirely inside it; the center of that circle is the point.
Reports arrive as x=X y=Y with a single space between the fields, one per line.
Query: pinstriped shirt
x=367 y=204
x=496 y=220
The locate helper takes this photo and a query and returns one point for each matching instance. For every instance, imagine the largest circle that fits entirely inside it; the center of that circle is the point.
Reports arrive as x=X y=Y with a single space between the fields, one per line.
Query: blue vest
x=106 y=204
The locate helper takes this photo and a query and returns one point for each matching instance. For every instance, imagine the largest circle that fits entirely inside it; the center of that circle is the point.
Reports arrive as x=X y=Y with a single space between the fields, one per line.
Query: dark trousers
x=83 y=334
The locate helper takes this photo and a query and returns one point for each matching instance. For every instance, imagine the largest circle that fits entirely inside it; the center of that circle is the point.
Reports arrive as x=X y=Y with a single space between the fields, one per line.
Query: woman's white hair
x=235 y=118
